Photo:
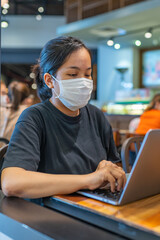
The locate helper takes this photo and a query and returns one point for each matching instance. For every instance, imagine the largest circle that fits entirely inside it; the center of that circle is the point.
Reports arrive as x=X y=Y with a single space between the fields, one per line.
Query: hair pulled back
x=52 y=57
x=17 y=92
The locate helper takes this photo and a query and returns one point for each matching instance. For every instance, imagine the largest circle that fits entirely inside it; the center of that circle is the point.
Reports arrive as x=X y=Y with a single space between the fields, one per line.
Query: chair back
x=3 y=150
x=133 y=144
x=4 y=140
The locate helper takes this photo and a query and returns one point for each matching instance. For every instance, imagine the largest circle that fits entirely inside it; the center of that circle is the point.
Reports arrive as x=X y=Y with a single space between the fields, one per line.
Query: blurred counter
x=125 y=108
x=119 y=121
x=128 y=102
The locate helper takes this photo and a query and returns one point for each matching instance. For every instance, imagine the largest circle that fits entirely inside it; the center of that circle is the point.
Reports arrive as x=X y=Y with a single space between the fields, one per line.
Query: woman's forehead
x=78 y=59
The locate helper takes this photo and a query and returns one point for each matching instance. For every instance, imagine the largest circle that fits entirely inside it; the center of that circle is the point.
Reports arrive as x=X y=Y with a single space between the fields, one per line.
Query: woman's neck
x=57 y=103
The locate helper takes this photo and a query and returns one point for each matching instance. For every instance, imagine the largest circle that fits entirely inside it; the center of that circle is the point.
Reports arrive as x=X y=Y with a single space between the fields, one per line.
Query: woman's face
x=157 y=105
x=77 y=65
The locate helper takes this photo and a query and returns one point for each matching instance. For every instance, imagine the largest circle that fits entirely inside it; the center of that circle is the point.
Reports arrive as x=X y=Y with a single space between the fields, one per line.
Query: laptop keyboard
x=105 y=193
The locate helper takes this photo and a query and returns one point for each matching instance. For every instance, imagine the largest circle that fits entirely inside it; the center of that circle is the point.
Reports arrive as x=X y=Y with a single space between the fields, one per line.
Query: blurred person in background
x=4 y=100
x=17 y=93
x=30 y=100
x=150 y=119
x=4 y=103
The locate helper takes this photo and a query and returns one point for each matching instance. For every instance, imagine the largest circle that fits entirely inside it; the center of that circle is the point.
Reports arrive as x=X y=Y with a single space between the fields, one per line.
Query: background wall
x=108 y=78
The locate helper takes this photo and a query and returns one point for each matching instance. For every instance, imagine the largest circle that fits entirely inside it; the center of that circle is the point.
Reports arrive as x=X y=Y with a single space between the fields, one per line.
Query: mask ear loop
x=57 y=96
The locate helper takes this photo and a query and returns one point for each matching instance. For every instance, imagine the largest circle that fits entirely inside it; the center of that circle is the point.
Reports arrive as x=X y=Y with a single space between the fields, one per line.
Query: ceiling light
x=38 y=17
x=4 y=11
x=117 y=46
x=34 y=86
x=41 y=9
x=110 y=42
x=138 y=43
x=148 y=34
x=4 y=24
x=6 y=5
x=32 y=75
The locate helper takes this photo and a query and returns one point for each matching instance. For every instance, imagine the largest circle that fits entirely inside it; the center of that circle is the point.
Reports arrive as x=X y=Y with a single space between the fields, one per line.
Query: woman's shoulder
x=33 y=113
x=94 y=109
x=96 y=112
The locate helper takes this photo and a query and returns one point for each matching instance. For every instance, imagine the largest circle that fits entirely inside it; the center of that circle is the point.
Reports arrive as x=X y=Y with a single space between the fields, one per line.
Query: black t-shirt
x=47 y=140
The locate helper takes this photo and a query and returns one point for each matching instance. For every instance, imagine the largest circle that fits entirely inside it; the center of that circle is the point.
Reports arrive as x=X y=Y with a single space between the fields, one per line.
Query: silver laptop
x=144 y=179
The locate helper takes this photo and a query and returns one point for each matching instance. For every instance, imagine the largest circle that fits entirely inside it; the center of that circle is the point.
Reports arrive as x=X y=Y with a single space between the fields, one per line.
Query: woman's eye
x=72 y=75
x=88 y=75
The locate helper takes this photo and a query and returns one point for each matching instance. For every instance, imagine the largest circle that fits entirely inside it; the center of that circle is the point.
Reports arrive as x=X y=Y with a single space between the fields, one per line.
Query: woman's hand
x=107 y=173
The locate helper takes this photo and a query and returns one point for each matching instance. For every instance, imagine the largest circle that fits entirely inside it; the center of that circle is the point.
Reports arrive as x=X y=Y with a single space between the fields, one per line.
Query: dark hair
x=17 y=92
x=52 y=57
x=153 y=102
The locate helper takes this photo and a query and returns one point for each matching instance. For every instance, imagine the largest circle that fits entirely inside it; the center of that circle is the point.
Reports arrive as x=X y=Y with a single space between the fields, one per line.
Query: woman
x=17 y=93
x=62 y=144
x=150 y=119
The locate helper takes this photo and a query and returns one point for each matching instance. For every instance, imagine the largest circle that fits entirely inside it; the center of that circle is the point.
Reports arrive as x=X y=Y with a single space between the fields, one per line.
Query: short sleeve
x=24 y=147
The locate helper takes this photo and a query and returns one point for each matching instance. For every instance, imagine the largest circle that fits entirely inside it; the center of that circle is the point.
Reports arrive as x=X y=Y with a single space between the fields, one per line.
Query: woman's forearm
x=21 y=183
x=28 y=184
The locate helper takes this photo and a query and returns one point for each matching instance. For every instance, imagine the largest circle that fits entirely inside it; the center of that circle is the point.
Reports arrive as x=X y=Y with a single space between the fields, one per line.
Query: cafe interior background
x=123 y=35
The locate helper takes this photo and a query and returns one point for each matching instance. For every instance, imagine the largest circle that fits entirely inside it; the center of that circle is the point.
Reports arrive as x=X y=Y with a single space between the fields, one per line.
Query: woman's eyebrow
x=74 y=67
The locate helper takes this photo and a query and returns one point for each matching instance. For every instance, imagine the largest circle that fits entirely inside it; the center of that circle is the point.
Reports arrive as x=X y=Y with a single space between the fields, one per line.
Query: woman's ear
x=48 y=80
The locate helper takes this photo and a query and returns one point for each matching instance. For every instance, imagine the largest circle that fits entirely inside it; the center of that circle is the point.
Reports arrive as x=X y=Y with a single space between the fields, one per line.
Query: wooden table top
x=143 y=214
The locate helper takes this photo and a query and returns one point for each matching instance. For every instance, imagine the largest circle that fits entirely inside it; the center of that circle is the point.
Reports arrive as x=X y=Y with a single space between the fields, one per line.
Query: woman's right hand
x=107 y=173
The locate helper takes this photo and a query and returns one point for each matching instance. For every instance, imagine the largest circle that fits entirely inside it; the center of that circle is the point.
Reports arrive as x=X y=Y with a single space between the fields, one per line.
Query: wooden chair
x=130 y=144
x=3 y=151
x=4 y=140
x=116 y=137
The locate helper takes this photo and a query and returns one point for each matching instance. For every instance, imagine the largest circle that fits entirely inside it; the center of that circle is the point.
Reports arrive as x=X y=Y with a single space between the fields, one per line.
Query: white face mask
x=74 y=93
